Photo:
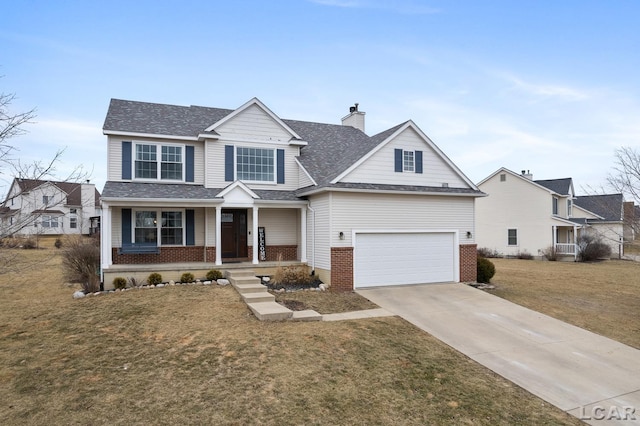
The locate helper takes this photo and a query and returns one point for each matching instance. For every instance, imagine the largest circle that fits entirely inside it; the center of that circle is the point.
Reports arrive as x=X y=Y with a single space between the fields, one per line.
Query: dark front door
x=234 y=234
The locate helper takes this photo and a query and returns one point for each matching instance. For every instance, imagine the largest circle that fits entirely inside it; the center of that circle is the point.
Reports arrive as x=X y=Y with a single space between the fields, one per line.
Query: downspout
x=313 y=239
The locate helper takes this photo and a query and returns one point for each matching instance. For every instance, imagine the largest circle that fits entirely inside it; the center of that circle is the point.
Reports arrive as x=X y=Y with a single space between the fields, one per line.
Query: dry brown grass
x=195 y=355
x=603 y=297
x=326 y=302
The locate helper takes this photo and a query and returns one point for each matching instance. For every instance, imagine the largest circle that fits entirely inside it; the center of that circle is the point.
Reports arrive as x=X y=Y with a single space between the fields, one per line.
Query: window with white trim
x=46 y=199
x=73 y=222
x=408 y=161
x=170 y=227
x=512 y=237
x=49 y=221
x=147 y=166
x=255 y=164
x=555 y=205
x=569 y=208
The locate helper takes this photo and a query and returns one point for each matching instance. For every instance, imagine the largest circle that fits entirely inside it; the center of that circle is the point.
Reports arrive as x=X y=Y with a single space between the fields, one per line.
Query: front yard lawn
x=196 y=355
x=603 y=297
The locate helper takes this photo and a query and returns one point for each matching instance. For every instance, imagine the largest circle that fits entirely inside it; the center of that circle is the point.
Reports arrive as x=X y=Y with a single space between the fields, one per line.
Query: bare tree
x=625 y=178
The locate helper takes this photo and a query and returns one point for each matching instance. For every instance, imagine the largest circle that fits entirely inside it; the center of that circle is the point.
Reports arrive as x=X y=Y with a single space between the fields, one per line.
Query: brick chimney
x=354 y=119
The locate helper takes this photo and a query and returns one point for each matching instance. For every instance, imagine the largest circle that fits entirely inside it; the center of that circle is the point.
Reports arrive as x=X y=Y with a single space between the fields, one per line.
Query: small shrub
x=29 y=244
x=524 y=255
x=154 y=278
x=214 y=275
x=119 y=283
x=486 y=270
x=591 y=247
x=487 y=252
x=550 y=253
x=187 y=277
x=58 y=243
x=293 y=275
x=81 y=262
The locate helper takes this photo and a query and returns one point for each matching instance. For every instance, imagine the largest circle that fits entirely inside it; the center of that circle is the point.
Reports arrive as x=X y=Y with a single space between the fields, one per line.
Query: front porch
x=173 y=271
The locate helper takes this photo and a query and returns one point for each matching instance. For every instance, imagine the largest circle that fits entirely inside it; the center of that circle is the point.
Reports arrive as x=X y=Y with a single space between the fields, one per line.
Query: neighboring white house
x=46 y=207
x=219 y=186
x=521 y=215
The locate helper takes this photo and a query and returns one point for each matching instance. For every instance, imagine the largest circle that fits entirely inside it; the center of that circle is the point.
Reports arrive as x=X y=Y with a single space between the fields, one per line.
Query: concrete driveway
x=589 y=376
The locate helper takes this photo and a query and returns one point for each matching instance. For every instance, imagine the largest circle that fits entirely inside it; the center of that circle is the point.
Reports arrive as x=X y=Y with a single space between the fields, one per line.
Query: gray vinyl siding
x=254 y=124
x=321 y=204
x=397 y=212
x=379 y=168
x=281 y=225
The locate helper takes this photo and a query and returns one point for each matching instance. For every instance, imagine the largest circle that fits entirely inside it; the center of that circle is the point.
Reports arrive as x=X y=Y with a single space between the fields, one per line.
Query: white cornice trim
x=305 y=171
x=387 y=191
x=148 y=135
x=237 y=184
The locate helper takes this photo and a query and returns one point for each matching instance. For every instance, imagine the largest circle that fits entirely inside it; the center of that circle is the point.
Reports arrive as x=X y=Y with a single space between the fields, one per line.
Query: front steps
x=262 y=303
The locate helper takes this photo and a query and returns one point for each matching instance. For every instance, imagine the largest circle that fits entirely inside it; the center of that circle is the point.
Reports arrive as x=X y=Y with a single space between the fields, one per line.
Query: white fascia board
x=305 y=171
x=280 y=204
x=234 y=139
x=159 y=202
x=237 y=184
x=254 y=101
x=148 y=135
x=388 y=191
x=565 y=221
x=519 y=176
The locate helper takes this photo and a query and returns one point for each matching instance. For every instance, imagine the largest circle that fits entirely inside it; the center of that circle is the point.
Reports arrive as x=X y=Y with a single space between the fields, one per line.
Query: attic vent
x=445 y=184
x=503 y=177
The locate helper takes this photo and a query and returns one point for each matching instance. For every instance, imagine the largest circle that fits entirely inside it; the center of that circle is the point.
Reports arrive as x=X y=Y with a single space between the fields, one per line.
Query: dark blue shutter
x=228 y=163
x=189 y=164
x=418 y=161
x=126 y=160
x=280 y=163
x=191 y=227
x=126 y=226
x=398 y=161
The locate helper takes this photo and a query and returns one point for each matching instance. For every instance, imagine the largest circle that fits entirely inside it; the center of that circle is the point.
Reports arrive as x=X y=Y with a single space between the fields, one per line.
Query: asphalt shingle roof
x=72 y=189
x=331 y=149
x=609 y=206
x=559 y=186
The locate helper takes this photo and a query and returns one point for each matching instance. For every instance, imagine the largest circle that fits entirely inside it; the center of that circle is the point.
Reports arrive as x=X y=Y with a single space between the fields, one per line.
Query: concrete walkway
x=589 y=376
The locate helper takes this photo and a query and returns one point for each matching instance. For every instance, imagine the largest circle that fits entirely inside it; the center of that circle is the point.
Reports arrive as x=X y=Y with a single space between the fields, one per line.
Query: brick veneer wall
x=468 y=262
x=341 y=269
x=167 y=255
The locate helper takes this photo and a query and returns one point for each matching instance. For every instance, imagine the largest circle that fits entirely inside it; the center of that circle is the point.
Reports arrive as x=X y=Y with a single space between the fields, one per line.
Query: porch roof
x=162 y=191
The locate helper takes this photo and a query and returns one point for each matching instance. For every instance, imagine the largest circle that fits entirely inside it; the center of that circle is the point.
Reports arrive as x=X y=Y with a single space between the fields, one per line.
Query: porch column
x=303 y=234
x=255 y=235
x=575 y=242
x=105 y=239
x=218 y=235
x=554 y=229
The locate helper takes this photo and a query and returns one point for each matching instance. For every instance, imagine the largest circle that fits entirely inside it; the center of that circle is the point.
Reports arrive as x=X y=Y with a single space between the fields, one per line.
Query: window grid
x=171 y=166
x=73 y=222
x=49 y=221
x=146 y=227
x=408 y=161
x=255 y=164
x=171 y=232
x=146 y=162
x=512 y=236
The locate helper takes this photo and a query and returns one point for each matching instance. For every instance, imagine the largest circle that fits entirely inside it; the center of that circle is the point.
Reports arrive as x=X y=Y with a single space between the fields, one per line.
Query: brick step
x=270 y=311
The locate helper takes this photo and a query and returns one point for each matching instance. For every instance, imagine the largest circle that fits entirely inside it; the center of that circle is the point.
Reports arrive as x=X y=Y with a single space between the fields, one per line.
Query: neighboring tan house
x=44 y=207
x=521 y=215
x=197 y=188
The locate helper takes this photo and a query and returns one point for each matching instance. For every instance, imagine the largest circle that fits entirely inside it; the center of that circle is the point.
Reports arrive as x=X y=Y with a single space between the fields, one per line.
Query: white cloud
x=543 y=90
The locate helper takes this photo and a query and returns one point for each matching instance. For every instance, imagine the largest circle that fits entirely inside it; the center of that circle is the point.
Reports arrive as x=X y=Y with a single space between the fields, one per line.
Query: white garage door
x=382 y=259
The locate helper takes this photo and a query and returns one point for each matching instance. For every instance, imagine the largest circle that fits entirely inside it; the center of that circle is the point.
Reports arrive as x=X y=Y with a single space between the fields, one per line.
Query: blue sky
x=548 y=86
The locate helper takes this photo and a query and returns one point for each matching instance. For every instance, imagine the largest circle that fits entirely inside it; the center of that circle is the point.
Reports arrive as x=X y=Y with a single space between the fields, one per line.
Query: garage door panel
x=383 y=259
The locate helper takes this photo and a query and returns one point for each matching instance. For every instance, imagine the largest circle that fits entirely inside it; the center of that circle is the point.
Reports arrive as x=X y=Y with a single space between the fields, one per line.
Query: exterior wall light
x=341 y=235
x=468 y=234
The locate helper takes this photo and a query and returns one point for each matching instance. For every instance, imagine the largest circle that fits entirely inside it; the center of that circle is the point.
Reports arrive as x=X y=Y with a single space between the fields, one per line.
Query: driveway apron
x=587 y=375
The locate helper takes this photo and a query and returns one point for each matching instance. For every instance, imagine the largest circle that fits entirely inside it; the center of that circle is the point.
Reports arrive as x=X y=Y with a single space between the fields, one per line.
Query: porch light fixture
x=468 y=234
x=341 y=235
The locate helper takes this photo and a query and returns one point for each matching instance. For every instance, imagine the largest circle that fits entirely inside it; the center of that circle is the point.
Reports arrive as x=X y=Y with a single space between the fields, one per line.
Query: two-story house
x=45 y=207
x=522 y=215
x=198 y=187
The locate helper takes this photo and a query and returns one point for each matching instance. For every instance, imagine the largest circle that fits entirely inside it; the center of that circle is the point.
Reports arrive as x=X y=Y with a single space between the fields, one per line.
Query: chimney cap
x=354 y=108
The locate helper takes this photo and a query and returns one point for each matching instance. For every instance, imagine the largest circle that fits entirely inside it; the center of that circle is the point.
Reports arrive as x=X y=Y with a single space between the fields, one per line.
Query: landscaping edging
x=79 y=294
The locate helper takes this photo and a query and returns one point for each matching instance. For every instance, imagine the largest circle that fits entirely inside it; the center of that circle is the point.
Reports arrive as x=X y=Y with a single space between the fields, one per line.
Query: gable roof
x=346 y=145
x=73 y=190
x=608 y=206
x=559 y=186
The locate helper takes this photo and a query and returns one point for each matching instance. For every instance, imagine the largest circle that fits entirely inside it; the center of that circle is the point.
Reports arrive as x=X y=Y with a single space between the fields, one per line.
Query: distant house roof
x=559 y=186
x=73 y=190
x=345 y=144
x=609 y=206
